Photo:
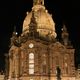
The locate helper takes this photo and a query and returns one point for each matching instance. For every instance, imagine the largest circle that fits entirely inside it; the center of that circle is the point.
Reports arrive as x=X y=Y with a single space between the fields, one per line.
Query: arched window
x=44 y=63
x=66 y=63
x=31 y=63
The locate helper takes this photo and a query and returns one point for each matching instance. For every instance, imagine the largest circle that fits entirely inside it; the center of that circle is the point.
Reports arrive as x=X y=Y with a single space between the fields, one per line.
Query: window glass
x=31 y=56
x=31 y=71
x=31 y=79
x=31 y=63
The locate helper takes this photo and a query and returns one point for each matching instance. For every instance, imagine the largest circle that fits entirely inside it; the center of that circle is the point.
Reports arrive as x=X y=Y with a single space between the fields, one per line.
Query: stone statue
x=58 y=73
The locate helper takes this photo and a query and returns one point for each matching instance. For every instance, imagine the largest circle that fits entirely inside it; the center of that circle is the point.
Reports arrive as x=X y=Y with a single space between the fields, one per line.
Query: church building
x=37 y=54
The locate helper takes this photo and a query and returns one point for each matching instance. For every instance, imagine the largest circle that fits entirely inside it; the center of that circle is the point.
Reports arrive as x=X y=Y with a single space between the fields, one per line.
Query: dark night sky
x=12 y=13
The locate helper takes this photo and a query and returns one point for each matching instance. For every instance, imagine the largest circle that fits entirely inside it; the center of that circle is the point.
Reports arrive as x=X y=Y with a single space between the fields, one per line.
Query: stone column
x=10 y=67
x=16 y=57
x=6 y=66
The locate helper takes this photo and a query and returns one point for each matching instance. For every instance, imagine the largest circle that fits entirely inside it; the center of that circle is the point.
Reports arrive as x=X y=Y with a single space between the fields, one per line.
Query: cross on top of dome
x=40 y=2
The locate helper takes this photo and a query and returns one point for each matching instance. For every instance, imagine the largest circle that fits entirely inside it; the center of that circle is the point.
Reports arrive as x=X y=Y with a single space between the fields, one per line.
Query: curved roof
x=45 y=23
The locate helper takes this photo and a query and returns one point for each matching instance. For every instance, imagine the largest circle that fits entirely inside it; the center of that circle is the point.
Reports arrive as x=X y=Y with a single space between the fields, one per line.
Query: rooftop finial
x=15 y=30
x=35 y=2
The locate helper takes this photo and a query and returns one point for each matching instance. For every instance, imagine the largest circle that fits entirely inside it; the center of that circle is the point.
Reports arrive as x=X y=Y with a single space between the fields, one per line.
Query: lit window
x=31 y=79
x=65 y=64
x=31 y=71
x=31 y=56
x=31 y=45
x=31 y=63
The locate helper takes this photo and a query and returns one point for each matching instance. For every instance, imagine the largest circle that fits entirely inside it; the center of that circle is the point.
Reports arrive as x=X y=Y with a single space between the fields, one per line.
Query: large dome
x=45 y=23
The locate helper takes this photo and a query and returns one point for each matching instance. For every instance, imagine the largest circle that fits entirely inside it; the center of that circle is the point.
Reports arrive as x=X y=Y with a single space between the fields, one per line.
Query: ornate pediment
x=57 y=46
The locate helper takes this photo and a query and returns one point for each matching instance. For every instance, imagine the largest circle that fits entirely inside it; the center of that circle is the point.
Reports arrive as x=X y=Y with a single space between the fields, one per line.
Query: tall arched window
x=31 y=63
x=44 y=63
x=66 y=63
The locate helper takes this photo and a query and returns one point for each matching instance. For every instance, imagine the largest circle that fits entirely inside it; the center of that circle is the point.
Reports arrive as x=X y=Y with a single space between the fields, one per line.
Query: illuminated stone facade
x=78 y=73
x=2 y=76
x=36 y=54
